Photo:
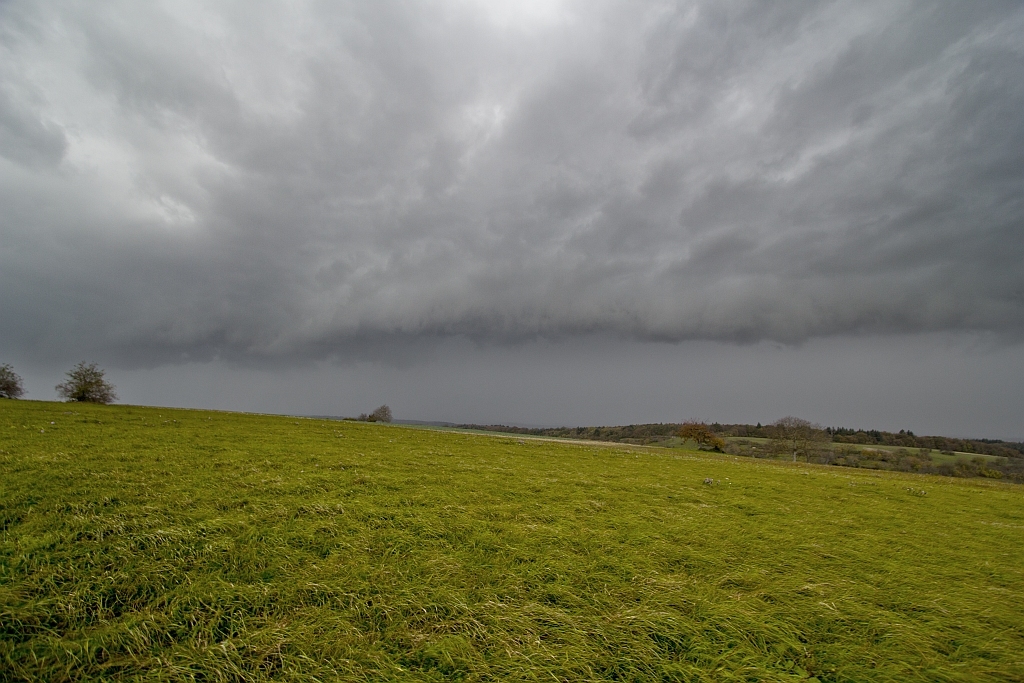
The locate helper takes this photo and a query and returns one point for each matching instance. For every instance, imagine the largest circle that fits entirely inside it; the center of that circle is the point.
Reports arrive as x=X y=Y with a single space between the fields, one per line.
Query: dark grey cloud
x=960 y=385
x=194 y=181
x=27 y=138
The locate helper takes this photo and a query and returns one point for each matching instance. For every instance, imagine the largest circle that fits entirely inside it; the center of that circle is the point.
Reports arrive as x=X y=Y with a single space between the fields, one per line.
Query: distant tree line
x=795 y=439
x=904 y=438
x=938 y=443
x=642 y=434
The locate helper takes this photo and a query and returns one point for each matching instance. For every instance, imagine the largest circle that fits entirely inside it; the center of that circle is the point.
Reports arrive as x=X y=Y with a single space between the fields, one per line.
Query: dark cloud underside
x=308 y=180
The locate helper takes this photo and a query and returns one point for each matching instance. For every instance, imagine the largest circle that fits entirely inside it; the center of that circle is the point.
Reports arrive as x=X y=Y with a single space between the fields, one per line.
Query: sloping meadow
x=159 y=544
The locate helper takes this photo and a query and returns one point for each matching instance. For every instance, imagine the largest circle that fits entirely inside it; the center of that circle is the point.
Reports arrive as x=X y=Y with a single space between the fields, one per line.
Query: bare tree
x=796 y=436
x=702 y=435
x=85 y=383
x=10 y=383
x=381 y=414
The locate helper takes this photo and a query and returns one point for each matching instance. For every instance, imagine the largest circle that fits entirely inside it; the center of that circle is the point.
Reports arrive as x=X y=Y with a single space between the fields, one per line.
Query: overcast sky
x=535 y=212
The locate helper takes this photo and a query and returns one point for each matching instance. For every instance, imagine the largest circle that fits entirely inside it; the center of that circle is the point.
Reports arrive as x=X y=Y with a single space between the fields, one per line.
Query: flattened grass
x=158 y=544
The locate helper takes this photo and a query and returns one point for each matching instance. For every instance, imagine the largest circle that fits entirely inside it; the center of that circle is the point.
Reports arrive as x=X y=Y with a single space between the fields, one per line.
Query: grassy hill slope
x=188 y=545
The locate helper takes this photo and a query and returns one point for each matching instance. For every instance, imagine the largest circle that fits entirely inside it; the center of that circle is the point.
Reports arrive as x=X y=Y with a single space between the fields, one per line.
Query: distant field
x=936 y=456
x=159 y=544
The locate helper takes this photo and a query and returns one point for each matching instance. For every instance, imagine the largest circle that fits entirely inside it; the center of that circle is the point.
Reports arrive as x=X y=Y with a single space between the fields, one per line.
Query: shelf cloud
x=298 y=181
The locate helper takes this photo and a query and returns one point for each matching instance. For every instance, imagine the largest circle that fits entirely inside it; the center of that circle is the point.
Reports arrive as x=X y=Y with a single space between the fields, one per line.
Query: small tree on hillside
x=85 y=384
x=794 y=436
x=702 y=435
x=382 y=414
x=10 y=383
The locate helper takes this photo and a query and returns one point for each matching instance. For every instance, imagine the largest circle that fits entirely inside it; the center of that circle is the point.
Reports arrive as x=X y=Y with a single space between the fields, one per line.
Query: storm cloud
x=265 y=183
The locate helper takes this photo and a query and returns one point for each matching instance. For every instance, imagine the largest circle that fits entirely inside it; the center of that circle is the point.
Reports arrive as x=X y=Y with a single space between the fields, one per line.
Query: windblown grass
x=158 y=544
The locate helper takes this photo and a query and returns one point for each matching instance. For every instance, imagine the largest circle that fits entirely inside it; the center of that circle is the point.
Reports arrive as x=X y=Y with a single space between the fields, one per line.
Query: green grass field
x=159 y=544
